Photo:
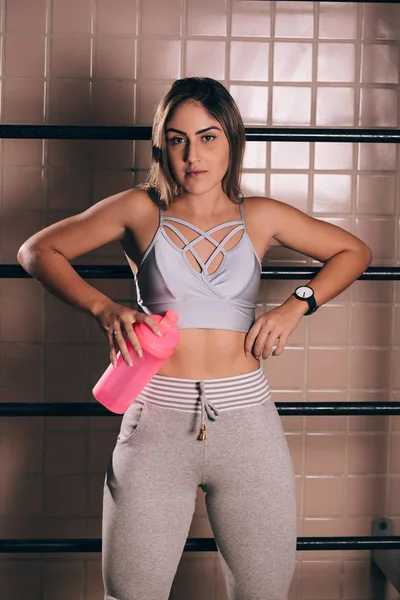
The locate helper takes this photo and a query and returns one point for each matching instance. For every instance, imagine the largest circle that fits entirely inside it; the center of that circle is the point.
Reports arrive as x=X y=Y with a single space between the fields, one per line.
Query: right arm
x=47 y=254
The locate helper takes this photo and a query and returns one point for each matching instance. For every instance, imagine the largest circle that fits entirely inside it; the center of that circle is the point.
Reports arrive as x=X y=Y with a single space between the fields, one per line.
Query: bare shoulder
x=131 y=210
x=287 y=226
x=260 y=215
x=262 y=206
x=133 y=205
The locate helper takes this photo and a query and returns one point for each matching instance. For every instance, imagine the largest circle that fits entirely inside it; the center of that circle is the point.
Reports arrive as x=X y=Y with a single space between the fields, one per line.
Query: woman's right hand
x=117 y=323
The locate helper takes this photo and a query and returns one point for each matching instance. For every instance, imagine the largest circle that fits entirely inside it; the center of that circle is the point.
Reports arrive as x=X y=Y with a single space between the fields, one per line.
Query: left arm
x=345 y=258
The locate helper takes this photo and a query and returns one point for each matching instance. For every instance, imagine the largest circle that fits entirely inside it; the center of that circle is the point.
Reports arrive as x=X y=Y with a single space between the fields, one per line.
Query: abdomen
x=209 y=354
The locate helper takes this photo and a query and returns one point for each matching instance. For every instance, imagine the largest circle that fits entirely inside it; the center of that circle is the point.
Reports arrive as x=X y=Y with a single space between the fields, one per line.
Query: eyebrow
x=197 y=132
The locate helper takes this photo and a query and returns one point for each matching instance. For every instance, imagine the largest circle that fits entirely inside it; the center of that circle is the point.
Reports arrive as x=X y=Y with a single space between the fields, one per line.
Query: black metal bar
x=351 y=1
x=312 y=134
x=143 y=132
x=197 y=544
x=10 y=271
x=94 y=409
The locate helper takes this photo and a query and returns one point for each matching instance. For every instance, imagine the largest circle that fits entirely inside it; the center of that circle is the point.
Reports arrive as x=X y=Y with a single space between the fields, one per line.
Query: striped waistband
x=208 y=396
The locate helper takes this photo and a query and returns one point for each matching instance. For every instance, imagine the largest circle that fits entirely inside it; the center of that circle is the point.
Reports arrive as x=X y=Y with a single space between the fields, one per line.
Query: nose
x=192 y=153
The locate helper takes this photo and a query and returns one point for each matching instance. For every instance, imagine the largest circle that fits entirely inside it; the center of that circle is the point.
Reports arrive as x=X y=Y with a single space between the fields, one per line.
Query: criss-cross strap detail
x=203 y=235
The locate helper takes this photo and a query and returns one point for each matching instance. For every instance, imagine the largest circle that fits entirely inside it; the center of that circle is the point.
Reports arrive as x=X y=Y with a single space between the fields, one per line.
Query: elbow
x=28 y=255
x=366 y=251
x=364 y=254
x=23 y=254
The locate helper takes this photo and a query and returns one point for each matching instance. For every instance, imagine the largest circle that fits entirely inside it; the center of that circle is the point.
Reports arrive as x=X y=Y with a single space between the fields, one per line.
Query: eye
x=208 y=138
x=176 y=140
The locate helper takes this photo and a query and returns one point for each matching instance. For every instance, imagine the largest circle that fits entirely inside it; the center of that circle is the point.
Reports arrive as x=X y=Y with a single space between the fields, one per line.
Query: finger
x=263 y=339
x=149 y=321
x=123 y=348
x=113 y=352
x=113 y=349
x=133 y=339
x=273 y=339
x=251 y=337
x=281 y=345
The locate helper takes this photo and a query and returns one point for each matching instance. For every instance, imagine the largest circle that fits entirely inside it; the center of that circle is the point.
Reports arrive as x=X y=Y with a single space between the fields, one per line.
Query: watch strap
x=312 y=304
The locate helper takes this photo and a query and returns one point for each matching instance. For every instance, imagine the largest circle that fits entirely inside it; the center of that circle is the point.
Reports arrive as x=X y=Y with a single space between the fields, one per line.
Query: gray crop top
x=223 y=299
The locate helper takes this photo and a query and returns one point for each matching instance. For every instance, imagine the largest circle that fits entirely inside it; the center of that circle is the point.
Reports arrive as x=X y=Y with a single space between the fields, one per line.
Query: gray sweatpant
x=244 y=467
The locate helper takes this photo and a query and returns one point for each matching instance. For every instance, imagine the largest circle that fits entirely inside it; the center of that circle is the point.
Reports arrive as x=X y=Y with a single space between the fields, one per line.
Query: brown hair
x=218 y=102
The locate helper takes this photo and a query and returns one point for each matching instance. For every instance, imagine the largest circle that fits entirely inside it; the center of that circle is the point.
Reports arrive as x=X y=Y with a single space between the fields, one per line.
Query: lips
x=195 y=173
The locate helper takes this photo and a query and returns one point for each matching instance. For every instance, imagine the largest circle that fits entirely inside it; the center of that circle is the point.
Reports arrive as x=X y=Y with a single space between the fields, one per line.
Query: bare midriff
x=209 y=354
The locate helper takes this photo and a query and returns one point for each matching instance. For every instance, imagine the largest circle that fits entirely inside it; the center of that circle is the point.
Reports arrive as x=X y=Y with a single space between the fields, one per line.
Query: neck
x=203 y=205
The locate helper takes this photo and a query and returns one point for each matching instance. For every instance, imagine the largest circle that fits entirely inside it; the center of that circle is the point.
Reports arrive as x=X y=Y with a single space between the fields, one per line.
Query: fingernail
x=247 y=352
x=158 y=332
x=140 y=353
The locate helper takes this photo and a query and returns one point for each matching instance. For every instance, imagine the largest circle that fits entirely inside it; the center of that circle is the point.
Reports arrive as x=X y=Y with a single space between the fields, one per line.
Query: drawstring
x=206 y=407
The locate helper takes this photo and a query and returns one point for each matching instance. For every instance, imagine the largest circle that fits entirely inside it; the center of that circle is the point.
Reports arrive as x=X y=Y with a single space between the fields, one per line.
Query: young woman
x=198 y=245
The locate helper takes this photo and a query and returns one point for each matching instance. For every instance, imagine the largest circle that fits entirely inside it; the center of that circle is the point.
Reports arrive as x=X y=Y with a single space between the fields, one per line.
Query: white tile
x=249 y=61
x=337 y=20
x=159 y=59
x=255 y=155
x=252 y=102
x=335 y=106
x=380 y=63
x=291 y=105
x=208 y=17
x=290 y=155
x=159 y=17
x=292 y=61
x=253 y=184
x=251 y=19
x=205 y=59
x=336 y=62
x=333 y=155
x=379 y=107
x=332 y=193
x=290 y=188
x=294 y=19
x=377 y=157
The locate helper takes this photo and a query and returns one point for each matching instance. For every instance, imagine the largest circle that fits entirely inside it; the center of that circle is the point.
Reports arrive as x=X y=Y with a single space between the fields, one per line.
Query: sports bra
x=223 y=299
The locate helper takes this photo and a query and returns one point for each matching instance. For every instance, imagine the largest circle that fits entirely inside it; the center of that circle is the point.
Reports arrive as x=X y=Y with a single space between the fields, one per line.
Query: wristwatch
x=306 y=293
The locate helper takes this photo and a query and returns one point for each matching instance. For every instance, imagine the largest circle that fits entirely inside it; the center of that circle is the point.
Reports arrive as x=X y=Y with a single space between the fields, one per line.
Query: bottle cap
x=169 y=319
x=163 y=346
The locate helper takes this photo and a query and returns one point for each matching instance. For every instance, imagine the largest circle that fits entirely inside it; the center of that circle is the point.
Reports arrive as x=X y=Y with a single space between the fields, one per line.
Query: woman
x=199 y=246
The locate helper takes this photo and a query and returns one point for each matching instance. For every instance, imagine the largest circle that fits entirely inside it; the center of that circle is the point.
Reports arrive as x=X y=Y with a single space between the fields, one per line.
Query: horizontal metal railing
x=253 y=134
x=11 y=271
x=94 y=409
x=199 y=544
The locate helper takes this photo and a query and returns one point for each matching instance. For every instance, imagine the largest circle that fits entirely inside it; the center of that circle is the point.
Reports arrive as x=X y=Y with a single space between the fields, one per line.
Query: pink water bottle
x=119 y=386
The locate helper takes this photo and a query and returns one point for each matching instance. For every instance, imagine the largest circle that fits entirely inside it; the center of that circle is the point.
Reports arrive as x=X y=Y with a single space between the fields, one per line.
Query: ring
x=115 y=332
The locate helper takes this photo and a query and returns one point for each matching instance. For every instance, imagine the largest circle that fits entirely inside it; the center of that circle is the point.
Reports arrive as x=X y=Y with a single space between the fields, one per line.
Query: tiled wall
x=286 y=64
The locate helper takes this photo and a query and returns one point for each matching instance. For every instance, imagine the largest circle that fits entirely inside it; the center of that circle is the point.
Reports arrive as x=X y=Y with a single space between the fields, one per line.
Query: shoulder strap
x=242 y=214
x=160 y=215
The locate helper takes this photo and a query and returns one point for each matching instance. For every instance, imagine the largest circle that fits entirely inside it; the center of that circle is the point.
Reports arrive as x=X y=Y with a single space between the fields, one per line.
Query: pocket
x=272 y=419
x=276 y=434
x=132 y=421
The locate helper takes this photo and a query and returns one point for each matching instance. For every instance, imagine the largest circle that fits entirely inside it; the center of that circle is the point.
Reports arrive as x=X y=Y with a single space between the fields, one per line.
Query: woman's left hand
x=273 y=326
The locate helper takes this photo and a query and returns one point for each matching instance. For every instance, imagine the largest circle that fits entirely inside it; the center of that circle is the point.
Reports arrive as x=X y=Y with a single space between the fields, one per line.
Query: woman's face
x=197 y=147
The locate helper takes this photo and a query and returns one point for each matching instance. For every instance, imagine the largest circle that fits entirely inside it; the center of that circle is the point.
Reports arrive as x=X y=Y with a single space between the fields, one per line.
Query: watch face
x=304 y=291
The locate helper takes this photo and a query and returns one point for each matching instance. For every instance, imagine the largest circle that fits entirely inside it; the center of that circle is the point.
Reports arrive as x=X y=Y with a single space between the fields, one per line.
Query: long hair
x=220 y=105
